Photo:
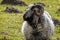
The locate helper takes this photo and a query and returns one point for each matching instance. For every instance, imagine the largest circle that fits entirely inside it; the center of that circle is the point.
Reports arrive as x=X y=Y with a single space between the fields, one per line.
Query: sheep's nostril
x=34 y=10
x=38 y=11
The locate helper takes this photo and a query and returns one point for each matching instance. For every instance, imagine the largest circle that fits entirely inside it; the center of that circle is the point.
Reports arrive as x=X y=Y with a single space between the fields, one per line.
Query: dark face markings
x=37 y=10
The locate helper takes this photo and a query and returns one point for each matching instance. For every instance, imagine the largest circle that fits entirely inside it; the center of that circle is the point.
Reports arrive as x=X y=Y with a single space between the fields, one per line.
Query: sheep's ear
x=27 y=14
x=42 y=4
x=39 y=3
x=29 y=6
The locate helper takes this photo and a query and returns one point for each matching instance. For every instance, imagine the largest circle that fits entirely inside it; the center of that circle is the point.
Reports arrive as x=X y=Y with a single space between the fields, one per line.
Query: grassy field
x=11 y=23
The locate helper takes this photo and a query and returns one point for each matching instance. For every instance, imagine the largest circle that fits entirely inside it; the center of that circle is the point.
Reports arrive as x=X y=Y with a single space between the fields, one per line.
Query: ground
x=11 y=23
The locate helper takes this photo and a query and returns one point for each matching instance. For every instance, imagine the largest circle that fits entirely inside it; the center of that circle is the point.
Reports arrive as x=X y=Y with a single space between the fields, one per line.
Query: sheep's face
x=37 y=10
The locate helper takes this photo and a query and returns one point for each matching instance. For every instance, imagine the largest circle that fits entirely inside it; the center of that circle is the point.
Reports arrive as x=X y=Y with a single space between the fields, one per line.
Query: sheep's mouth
x=38 y=14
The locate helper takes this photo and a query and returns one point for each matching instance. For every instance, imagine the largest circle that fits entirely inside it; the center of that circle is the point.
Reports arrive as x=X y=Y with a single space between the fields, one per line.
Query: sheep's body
x=42 y=32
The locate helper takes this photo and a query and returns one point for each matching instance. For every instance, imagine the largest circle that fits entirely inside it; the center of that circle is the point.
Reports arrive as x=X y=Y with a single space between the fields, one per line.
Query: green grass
x=11 y=23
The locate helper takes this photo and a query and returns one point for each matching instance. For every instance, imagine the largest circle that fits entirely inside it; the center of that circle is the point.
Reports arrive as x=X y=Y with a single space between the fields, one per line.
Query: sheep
x=38 y=24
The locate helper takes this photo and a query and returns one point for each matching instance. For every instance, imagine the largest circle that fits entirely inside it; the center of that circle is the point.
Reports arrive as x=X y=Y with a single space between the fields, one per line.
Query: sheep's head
x=37 y=9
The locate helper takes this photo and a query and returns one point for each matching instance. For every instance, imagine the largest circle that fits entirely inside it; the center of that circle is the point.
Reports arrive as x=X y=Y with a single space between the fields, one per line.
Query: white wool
x=48 y=25
x=47 y=14
x=48 y=17
x=24 y=25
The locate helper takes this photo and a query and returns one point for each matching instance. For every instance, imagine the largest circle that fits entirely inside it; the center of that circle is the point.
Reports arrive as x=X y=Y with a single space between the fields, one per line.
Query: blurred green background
x=11 y=23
